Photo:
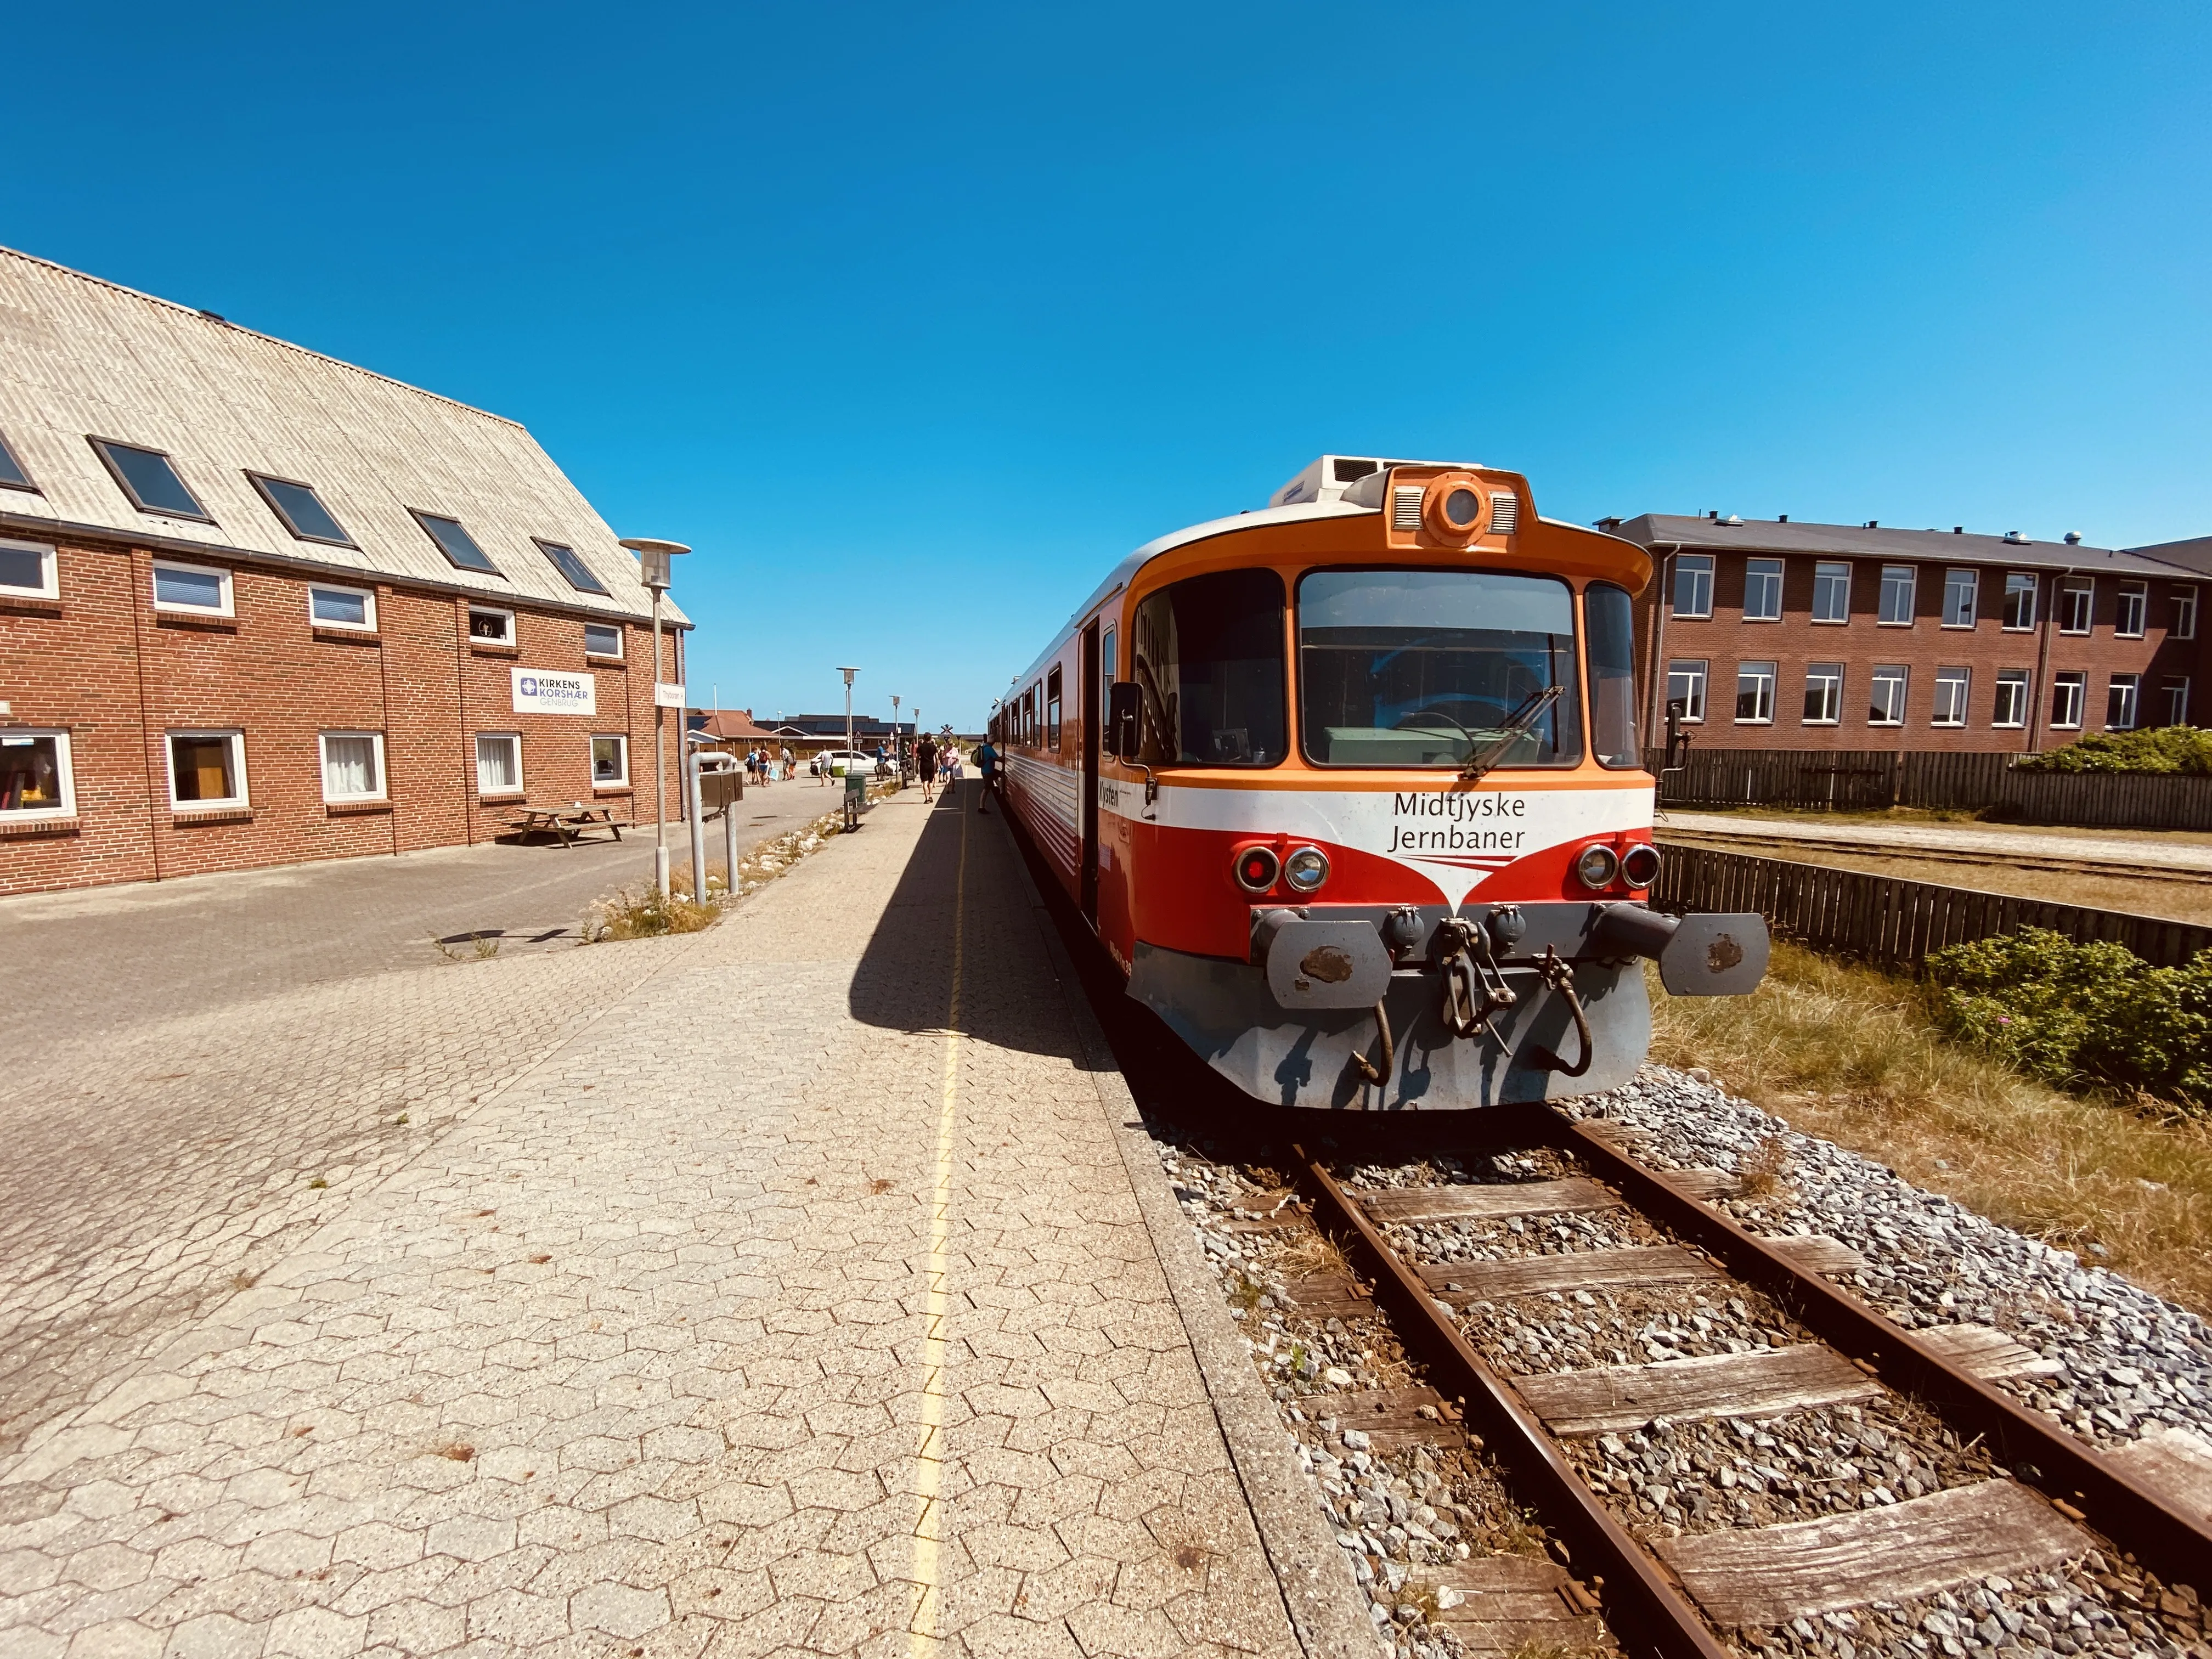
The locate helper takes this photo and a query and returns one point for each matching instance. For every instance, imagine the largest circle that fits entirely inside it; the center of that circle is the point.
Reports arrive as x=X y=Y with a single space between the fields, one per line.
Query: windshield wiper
x=1518 y=726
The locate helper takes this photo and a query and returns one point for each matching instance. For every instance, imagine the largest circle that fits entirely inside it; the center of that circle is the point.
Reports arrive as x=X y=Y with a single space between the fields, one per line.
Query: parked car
x=839 y=761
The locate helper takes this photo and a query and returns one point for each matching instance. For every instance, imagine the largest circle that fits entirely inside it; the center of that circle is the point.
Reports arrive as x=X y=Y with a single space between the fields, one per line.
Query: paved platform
x=795 y=1298
x=2140 y=848
x=201 y=1072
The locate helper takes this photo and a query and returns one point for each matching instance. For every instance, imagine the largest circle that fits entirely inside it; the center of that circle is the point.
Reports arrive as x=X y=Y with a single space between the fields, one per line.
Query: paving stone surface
x=186 y=1057
x=784 y=1304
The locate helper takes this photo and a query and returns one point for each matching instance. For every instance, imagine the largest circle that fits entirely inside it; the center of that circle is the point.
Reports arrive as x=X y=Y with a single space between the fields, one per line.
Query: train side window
x=1609 y=616
x=1051 y=711
x=1106 y=648
x=1206 y=655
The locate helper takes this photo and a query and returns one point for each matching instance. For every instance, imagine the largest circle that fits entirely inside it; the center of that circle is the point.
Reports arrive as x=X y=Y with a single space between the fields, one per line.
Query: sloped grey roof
x=83 y=357
x=1698 y=535
x=2194 y=555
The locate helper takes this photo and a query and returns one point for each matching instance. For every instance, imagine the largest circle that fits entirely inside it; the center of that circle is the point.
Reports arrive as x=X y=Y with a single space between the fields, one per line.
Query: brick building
x=259 y=606
x=1782 y=636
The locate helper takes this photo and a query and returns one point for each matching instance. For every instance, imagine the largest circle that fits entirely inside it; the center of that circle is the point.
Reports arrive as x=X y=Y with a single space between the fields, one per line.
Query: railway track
x=1717 y=1445
x=1800 y=846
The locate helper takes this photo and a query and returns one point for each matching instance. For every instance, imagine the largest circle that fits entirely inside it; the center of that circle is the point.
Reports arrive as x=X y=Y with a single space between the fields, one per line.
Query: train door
x=1092 y=716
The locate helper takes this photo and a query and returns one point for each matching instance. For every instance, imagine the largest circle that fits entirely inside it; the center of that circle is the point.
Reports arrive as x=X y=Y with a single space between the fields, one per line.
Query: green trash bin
x=856 y=798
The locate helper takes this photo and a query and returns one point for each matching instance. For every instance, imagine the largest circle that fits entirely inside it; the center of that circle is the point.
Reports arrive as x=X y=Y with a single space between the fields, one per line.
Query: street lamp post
x=898 y=748
x=848 y=673
x=652 y=561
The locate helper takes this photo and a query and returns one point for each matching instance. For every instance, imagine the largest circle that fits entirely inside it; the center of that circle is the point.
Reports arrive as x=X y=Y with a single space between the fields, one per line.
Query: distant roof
x=729 y=725
x=1857 y=541
x=81 y=357
x=2193 y=555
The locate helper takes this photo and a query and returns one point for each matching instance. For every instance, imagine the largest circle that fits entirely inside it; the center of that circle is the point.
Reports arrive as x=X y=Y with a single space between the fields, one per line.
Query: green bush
x=2081 y=1016
x=2165 y=749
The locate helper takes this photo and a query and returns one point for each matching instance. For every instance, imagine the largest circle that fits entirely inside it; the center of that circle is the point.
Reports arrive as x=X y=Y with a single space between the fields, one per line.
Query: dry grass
x=1309 y=1253
x=1849 y=1053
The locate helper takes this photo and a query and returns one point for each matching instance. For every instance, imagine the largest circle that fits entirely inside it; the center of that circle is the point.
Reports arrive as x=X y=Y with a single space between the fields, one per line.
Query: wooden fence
x=1862 y=780
x=1883 y=920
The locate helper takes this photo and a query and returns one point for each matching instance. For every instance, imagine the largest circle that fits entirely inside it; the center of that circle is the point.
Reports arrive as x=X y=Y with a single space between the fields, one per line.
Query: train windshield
x=1207 y=658
x=1437 y=668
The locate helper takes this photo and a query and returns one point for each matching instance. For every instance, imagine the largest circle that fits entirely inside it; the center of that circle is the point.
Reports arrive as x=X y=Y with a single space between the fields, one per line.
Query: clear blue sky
x=913 y=318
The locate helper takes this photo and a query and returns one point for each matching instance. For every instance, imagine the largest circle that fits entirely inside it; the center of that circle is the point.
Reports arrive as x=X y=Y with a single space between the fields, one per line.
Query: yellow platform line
x=929 y=1454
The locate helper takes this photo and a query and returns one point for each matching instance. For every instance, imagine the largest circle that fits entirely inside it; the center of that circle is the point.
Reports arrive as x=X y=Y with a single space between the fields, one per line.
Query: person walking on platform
x=987 y=763
x=925 y=762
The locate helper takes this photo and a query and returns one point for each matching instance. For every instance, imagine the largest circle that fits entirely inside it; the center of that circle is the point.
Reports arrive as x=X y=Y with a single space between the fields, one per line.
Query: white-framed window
x=499 y=762
x=2122 y=695
x=1899 y=583
x=2177 y=701
x=1962 y=591
x=603 y=639
x=35 y=780
x=2128 y=619
x=2011 y=707
x=1754 y=693
x=1886 y=694
x=2077 y=604
x=1694 y=585
x=487 y=625
x=207 y=769
x=1954 y=690
x=352 y=608
x=2019 y=603
x=1762 y=590
x=29 y=570
x=353 y=766
x=1831 y=592
x=2069 y=691
x=1824 y=693
x=1685 y=684
x=200 y=590
x=2184 y=626
x=610 y=761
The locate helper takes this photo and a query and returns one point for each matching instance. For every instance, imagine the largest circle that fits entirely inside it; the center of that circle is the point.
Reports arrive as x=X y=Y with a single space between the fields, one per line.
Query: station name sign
x=544 y=691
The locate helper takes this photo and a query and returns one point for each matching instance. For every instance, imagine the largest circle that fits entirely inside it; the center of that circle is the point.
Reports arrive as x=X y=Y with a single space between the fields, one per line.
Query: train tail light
x=1639 y=864
x=1306 y=869
x=1596 y=866
x=1256 y=869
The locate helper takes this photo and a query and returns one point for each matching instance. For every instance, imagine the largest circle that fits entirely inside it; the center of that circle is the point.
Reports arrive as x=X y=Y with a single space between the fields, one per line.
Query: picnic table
x=567 y=822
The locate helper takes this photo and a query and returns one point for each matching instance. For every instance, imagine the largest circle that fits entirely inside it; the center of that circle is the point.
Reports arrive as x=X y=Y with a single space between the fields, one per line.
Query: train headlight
x=1256 y=869
x=1596 y=866
x=1452 y=509
x=1306 y=869
x=1639 y=864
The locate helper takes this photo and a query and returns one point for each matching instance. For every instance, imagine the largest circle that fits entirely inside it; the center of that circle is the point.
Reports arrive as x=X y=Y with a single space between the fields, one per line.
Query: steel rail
x=1644 y=1607
x=2168 y=1540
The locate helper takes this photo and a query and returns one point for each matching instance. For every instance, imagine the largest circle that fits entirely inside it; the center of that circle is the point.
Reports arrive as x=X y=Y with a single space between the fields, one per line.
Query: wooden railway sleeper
x=1649 y=1613
x=2037 y=1451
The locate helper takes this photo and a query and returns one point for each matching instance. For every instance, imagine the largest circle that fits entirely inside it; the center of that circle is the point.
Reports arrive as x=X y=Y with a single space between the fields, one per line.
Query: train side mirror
x=1122 y=701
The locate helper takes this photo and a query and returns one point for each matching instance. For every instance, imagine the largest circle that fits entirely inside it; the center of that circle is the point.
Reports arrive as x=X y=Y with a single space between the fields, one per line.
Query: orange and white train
x=1351 y=789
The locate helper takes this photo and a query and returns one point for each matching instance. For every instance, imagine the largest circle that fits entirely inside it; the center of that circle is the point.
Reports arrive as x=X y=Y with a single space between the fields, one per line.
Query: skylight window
x=149 y=478
x=460 y=547
x=300 y=511
x=12 y=475
x=579 y=573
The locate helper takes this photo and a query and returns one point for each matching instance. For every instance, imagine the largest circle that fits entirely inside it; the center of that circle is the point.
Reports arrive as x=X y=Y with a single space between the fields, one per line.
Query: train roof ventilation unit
x=1327 y=478
x=1406 y=507
x=1505 y=513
